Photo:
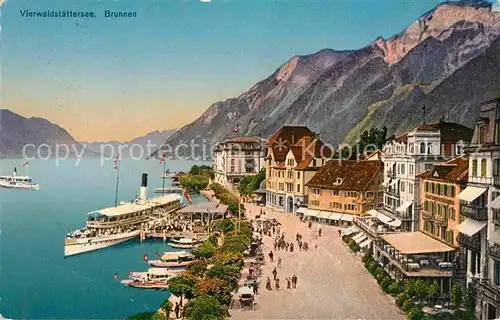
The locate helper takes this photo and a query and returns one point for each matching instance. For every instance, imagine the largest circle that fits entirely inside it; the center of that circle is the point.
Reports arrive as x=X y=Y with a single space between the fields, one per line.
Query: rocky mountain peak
x=437 y=22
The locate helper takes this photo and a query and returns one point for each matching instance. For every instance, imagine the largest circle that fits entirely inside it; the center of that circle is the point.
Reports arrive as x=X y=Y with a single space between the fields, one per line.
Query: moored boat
x=184 y=243
x=154 y=278
x=18 y=182
x=179 y=259
x=110 y=226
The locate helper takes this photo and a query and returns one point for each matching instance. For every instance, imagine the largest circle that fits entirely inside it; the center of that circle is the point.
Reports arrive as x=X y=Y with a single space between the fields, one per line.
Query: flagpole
x=27 y=170
x=164 y=174
x=117 y=180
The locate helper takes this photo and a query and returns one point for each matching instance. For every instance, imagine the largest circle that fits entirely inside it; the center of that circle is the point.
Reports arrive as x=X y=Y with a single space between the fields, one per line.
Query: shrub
x=394 y=288
x=401 y=298
x=205 y=251
x=203 y=306
x=456 y=296
x=416 y=314
x=386 y=283
x=408 y=305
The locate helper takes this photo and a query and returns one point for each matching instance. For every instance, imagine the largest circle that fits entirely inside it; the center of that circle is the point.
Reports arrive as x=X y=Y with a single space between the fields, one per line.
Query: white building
x=479 y=236
x=410 y=155
x=236 y=158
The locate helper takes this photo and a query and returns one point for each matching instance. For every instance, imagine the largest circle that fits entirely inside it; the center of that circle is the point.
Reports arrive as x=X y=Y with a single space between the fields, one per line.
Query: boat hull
x=77 y=246
x=169 y=264
x=19 y=186
x=182 y=246
x=145 y=285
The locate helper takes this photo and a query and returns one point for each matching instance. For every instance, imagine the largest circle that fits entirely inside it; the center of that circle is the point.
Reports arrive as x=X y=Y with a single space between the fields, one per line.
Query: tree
x=416 y=314
x=456 y=296
x=470 y=302
x=205 y=307
x=198 y=268
x=433 y=292
x=181 y=286
x=205 y=251
x=194 y=183
x=225 y=226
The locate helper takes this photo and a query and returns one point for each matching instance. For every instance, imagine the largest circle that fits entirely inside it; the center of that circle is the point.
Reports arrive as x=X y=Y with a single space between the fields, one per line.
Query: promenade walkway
x=332 y=282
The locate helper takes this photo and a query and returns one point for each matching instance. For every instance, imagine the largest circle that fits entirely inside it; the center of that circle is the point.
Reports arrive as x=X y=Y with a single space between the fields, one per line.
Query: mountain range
x=140 y=149
x=443 y=65
x=41 y=135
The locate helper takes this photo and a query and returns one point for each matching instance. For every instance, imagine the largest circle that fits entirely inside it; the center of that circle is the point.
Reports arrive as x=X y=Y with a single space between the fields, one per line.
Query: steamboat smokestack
x=144 y=188
x=15 y=171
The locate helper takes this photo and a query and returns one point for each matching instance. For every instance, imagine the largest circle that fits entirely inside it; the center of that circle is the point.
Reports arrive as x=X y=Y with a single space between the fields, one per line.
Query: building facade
x=294 y=154
x=439 y=188
x=345 y=189
x=480 y=232
x=410 y=155
x=236 y=158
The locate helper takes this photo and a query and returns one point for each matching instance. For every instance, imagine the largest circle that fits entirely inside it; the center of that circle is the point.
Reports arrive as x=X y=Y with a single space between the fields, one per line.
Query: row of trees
x=369 y=141
x=227 y=198
x=249 y=184
x=197 y=179
x=208 y=283
x=412 y=295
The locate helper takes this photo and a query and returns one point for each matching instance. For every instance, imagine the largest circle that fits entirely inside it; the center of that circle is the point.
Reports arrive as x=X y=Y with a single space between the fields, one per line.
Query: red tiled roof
x=354 y=175
x=402 y=139
x=305 y=149
x=456 y=170
x=285 y=137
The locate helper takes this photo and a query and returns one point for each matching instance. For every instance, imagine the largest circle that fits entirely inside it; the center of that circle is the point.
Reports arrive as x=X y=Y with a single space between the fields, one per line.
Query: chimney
x=15 y=172
x=293 y=139
x=143 y=194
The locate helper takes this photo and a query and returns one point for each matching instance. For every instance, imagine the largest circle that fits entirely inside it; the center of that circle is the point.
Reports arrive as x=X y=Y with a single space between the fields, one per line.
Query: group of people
x=290 y=282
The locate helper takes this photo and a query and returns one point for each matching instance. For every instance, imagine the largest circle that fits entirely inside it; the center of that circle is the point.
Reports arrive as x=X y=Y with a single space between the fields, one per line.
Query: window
x=496 y=273
x=481 y=134
x=315 y=203
x=422 y=148
x=232 y=162
x=445 y=190
x=314 y=162
x=402 y=168
x=350 y=207
x=427 y=186
x=429 y=148
x=402 y=187
x=298 y=175
x=452 y=194
x=451 y=213
x=298 y=187
x=289 y=187
x=380 y=194
x=412 y=167
x=483 y=168
x=474 y=168
x=316 y=191
x=380 y=205
x=335 y=192
x=410 y=188
x=352 y=194
x=290 y=162
x=369 y=207
x=369 y=194
x=289 y=174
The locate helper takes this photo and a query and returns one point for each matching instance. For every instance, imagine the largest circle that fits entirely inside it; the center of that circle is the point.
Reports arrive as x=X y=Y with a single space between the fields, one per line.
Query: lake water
x=36 y=281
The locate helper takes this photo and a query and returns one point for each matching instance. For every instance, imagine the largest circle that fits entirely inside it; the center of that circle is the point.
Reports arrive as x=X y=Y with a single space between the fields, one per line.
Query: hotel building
x=410 y=155
x=236 y=158
x=342 y=189
x=480 y=205
x=294 y=154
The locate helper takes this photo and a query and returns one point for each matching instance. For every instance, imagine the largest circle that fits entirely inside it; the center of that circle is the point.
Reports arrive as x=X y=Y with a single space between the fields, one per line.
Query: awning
x=358 y=236
x=394 y=223
x=384 y=219
x=404 y=207
x=302 y=210
x=350 y=230
x=470 y=227
x=495 y=204
x=312 y=213
x=362 y=238
x=471 y=193
x=365 y=243
x=415 y=243
x=335 y=216
x=347 y=217
x=324 y=215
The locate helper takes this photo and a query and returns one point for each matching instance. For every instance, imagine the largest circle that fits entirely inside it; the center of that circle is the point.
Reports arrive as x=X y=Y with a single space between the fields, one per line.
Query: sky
x=119 y=78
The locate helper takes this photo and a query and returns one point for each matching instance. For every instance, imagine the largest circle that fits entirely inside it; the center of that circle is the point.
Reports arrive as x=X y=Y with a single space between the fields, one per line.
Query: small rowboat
x=169 y=264
x=184 y=243
x=145 y=284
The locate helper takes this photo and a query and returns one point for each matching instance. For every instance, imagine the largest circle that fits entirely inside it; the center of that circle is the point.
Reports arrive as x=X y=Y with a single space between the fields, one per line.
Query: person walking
x=271 y=255
x=294 y=281
x=277 y=283
x=300 y=245
x=279 y=262
x=340 y=233
x=319 y=231
x=177 y=309
x=288 y=283
x=291 y=247
x=275 y=273
x=268 y=284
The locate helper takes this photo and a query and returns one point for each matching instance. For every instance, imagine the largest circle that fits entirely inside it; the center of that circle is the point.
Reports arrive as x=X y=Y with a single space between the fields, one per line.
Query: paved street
x=332 y=282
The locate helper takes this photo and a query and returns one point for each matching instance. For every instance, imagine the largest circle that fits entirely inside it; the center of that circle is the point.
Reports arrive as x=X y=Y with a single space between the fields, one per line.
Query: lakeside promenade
x=332 y=282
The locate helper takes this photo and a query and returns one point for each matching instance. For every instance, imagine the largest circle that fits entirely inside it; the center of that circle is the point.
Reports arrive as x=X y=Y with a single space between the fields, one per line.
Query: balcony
x=391 y=191
x=442 y=221
x=475 y=212
x=486 y=288
x=391 y=174
x=471 y=243
x=428 y=216
x=494 y=250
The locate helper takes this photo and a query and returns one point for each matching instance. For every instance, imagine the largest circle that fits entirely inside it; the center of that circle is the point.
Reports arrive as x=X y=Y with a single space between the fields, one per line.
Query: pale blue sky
x=106 y=79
